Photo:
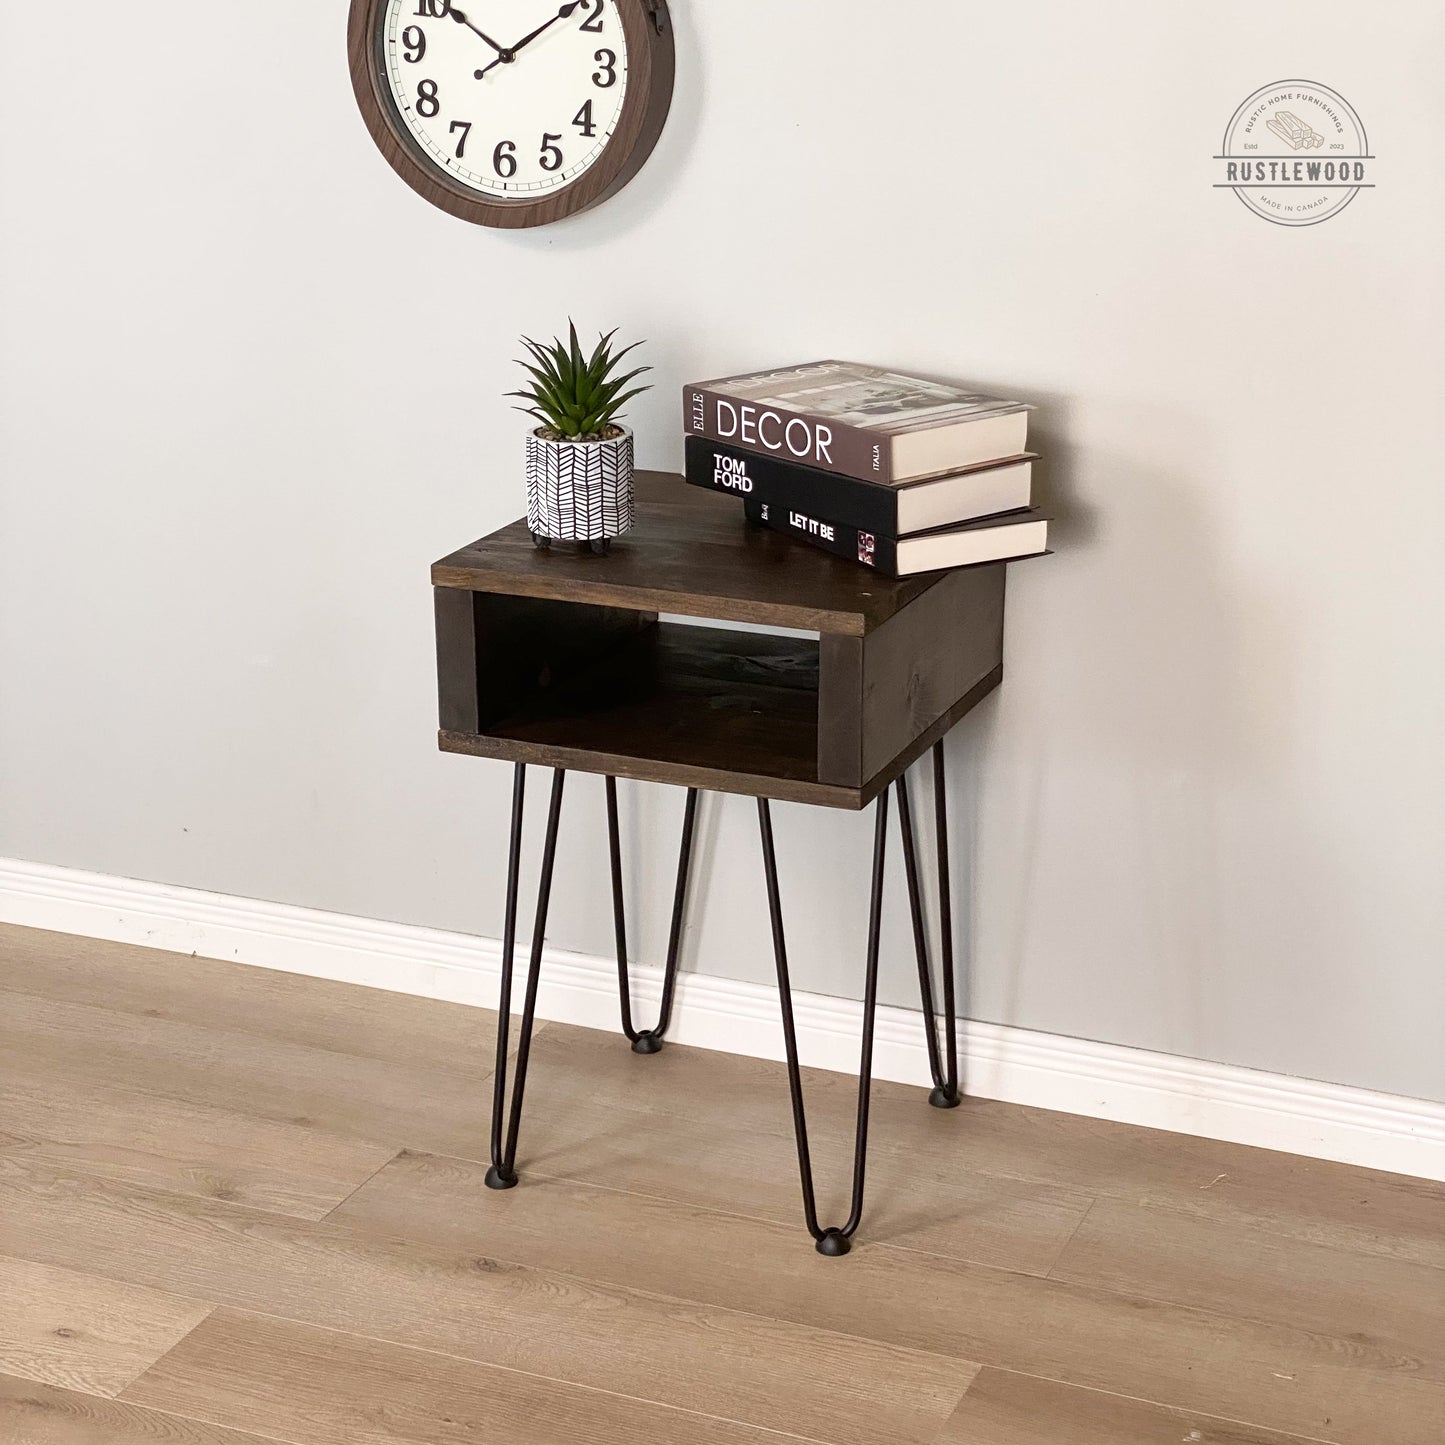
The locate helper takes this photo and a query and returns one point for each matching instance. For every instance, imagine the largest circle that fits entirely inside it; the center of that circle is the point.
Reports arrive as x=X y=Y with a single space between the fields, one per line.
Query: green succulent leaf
x=573 y=393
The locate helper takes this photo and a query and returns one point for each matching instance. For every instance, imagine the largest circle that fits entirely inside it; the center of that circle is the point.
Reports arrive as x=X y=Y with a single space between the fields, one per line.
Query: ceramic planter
x=579 y=491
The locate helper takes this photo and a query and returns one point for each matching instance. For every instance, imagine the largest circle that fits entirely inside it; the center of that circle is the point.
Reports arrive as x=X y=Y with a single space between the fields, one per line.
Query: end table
x=559 y=659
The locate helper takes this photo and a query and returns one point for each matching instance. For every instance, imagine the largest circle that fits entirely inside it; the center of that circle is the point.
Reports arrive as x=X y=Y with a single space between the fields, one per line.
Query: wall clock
x=513 y=112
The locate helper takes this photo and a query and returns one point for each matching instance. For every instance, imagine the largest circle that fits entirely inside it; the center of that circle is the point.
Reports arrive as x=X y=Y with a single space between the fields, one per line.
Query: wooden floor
x=241 y=1206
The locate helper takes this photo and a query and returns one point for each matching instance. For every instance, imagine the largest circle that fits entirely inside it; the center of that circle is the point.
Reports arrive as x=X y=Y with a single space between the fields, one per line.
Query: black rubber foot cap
x=496 y=1179
x=940 y=1098
x=647 y=1043
x=833 y=1243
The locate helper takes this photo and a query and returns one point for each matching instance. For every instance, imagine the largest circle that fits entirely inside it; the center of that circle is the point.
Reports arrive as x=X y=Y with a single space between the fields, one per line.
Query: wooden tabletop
x=691 y=554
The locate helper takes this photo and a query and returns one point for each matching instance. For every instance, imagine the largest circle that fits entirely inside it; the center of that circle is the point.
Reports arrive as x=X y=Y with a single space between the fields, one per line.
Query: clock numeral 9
x=594 y=24
x=414 y=39
x=433 y=9
x=583 y=121
x=503 y=161
x=605 y=78
x=551 y=157
x=427 y=103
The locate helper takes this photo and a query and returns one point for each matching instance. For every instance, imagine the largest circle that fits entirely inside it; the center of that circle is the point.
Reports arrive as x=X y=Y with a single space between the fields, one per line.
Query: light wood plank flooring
x=239 y=1206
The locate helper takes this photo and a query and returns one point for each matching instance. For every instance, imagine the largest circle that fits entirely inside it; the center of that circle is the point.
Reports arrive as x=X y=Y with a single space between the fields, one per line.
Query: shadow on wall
x=1107 y=796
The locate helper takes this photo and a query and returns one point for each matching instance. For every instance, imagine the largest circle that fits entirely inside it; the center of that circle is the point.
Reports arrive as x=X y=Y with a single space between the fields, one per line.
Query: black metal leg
x=945 y=1094
x=832 y=1241
x=649 y=1041
x=503 y=1172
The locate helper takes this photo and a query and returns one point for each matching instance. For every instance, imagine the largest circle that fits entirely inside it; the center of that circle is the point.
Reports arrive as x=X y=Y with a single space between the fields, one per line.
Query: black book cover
x=873 y=549
x=741 y=473
x=876 y=550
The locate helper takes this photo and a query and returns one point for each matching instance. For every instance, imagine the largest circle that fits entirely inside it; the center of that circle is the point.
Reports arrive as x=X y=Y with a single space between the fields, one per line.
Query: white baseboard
x=1104 y=1081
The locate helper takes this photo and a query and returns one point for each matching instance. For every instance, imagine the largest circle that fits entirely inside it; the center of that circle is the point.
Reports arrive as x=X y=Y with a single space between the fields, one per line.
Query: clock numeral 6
x=433 y=9
x=594 y=22
x=465 y=126
x=551 y=158
x=583 y=121
x=605 y=78
x=503 y=161
x=427 y=103
x=414 y=39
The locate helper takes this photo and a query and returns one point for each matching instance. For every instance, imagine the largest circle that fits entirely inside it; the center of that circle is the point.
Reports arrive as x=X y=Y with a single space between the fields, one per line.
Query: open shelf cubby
x=560 y=659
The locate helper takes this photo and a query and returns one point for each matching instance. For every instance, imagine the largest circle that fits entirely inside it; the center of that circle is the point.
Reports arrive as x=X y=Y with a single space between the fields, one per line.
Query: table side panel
x=919 y=665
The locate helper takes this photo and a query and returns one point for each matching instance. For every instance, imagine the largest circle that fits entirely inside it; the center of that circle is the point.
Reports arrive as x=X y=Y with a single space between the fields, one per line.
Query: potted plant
x=579 y=460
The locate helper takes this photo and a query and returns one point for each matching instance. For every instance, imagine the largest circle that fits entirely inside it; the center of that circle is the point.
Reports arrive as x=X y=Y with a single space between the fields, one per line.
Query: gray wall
x=249 y=389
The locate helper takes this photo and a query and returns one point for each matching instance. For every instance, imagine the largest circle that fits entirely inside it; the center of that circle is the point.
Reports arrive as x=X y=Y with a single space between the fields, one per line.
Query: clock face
x=511 y=99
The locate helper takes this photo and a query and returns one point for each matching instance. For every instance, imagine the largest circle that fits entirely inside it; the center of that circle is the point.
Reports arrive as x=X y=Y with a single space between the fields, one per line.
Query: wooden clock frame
x=647 y=31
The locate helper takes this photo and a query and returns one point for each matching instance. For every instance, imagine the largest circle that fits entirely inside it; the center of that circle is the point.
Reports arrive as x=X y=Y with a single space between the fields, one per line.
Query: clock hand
x=510 y=54
x=562 y=14
x=462 y=20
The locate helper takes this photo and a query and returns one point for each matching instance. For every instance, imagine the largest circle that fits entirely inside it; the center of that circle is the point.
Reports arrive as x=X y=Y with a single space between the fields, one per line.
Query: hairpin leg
x=503 y=1172
x=649 y=1041
x=832 y=1241
x=945 y=1094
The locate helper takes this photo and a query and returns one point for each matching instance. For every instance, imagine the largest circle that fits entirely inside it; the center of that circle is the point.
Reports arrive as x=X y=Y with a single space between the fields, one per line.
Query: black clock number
x=427 y=104
x=605 y=78
x=414 y=38
x=503 y=161
x=583 y=121
x=433 y=9
x=465 y=126
x=594 y=23
x=551 y=158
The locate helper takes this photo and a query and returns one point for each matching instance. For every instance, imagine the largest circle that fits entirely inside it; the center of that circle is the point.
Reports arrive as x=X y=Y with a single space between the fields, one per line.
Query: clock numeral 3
x=433 y=9
x=594 y=23
x=605 y=78
x=551 y=157
x=583 y=121
x=465 y=126
x=503 y=161
x=414 y=39
x=427 y=103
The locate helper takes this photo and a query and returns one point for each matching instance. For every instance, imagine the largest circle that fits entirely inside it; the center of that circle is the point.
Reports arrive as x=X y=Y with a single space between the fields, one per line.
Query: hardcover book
x=993 y=539
x=895 y=510
x=858 y=421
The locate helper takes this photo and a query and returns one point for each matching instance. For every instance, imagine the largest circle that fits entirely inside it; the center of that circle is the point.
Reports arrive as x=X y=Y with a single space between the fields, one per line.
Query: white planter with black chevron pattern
x=579 y=491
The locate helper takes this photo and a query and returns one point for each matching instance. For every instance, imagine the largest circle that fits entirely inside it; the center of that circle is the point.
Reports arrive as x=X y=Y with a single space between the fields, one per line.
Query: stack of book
x=900 y=474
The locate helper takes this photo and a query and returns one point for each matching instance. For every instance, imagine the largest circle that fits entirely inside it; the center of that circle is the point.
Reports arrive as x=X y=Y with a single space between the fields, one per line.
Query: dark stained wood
x=651 y=63
x=531 y=652
x=690 y=554
x=840 y=709
x=458 y=673
x=561 y=663
x=919 y=664
x=735 y=711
